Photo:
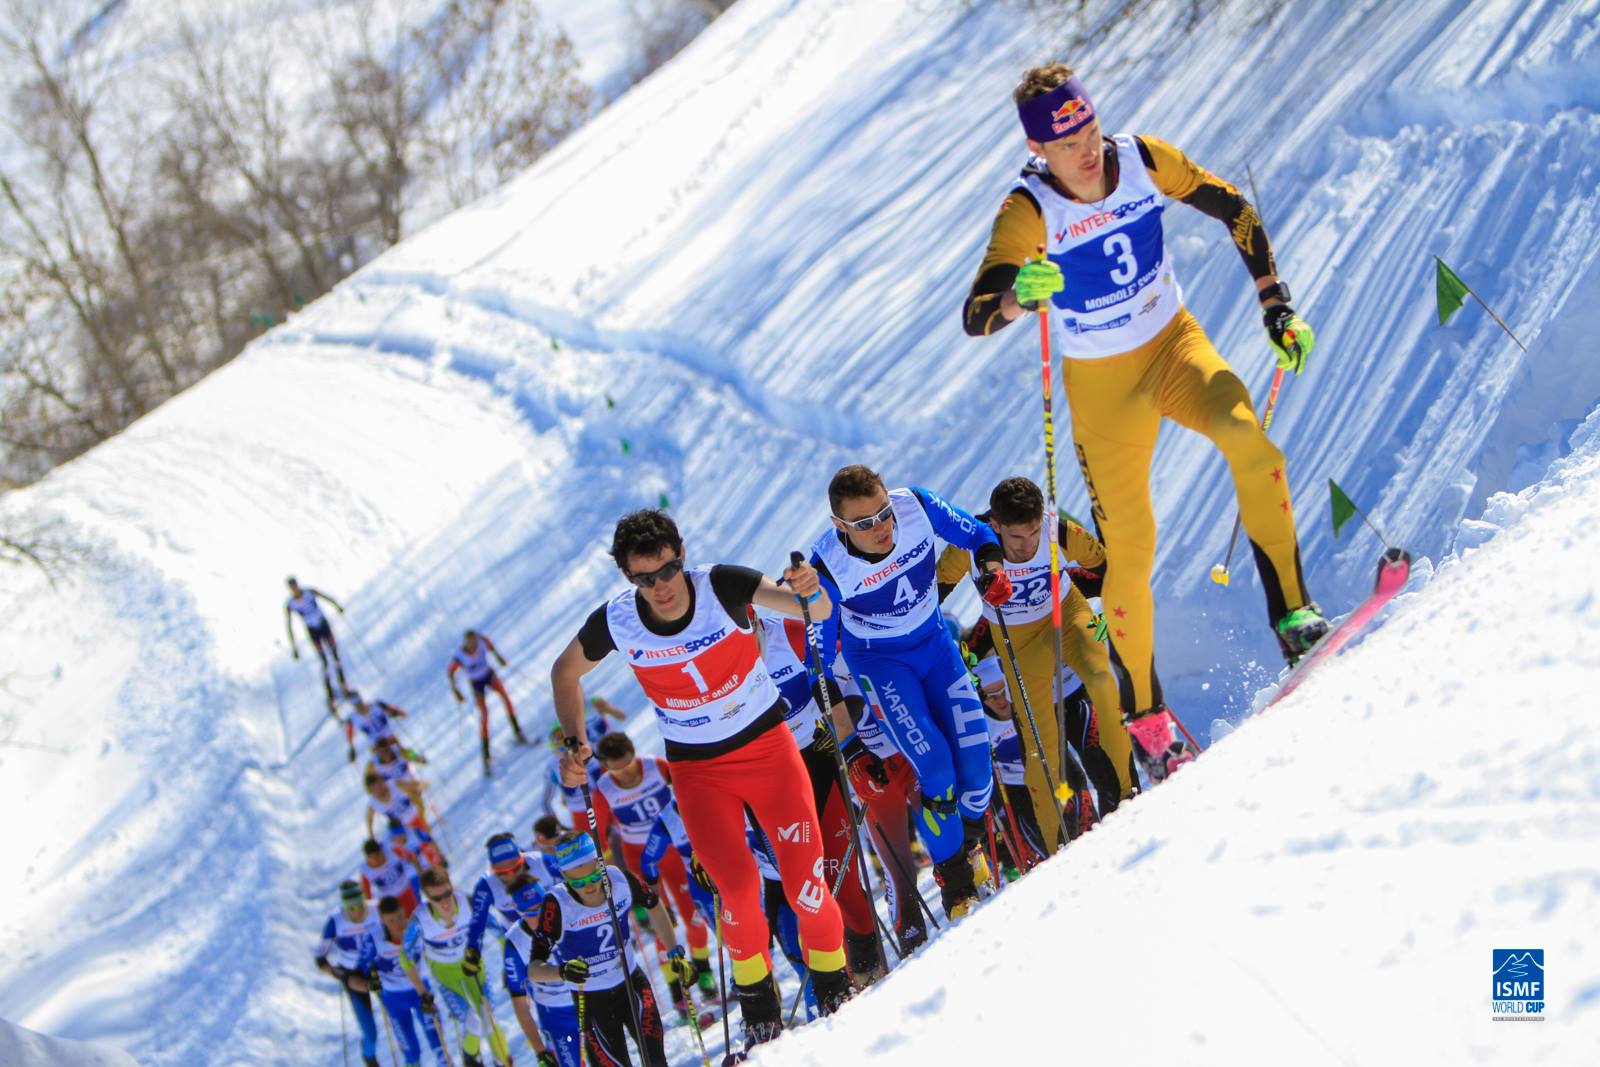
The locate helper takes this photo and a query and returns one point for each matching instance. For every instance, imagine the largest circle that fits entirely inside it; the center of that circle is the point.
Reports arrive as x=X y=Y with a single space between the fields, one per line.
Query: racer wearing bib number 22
x=1134 y=355
x=687 y=635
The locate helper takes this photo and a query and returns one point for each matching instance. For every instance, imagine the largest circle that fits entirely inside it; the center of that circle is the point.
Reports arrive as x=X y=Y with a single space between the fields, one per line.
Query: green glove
x=1038 y=281
x=1101 y=628
x=1291 y=336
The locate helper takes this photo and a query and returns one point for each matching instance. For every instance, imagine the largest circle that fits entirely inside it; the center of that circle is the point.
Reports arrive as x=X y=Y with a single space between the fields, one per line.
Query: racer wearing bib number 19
x=687 y=636
x=1134 y=355
x=878 y=564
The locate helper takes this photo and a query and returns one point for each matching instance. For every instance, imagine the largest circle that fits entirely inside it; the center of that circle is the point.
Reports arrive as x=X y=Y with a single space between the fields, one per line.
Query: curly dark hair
x=614 y=745
x=546 y=826
x=644 y=533
x=856 y=480
x=1016 y=500
x=1040 y=80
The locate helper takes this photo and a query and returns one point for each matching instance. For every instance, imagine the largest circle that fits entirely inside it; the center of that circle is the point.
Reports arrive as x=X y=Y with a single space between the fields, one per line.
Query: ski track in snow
x=757 y=256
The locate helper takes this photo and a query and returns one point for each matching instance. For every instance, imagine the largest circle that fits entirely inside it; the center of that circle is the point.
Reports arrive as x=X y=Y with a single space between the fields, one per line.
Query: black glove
x=866 y=771
x=341 y=973
x=472 y=962
x=822 y=737
x=576 y=971
x=428 y=1006
x=701 y=878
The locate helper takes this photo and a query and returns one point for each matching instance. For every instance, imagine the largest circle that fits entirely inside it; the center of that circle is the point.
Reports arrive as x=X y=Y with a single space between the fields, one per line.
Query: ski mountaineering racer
x=473 y=658
x=877 y=562
x=1135 y=355
x=688 y=638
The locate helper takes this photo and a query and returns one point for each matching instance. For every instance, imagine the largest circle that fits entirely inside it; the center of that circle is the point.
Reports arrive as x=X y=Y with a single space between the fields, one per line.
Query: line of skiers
x=811 y=720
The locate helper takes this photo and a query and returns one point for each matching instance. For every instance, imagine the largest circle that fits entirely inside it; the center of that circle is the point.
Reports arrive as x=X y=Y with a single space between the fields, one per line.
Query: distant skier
x=339 y=955
x=473 y=658
x=574 y=938
x=402 y=803
x=303 y=602
x=1016 y=514
x=404 y=994
x=493 y=902
x=632 y=793
x=390 y=871
x=687 y=636
x=1135 y=355
x=877 y=563
x=551 y=1020
x=439 y=933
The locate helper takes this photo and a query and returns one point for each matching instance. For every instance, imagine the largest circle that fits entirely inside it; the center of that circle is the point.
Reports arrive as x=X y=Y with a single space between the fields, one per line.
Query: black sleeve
x=595 y=637
x=643 y=895
x=735 y=588
x=547 y=931
x=989 y=553
x=980 y=642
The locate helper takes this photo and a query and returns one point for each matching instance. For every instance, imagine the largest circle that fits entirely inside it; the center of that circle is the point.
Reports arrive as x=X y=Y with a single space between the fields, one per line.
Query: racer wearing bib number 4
x=687 y=636
x=1135 y=355
x=878 y=564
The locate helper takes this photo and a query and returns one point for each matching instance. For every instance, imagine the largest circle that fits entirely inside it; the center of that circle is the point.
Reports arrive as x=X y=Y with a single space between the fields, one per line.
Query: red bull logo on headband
x=1057 y=113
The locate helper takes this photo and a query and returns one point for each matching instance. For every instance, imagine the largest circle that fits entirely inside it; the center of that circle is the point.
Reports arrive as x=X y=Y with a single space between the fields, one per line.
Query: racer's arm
x=602 y=815
x=450 y=676
x=482 y=901
x=800 y=582
x=583 y=654
x=956 y=527
x=320 y=595
x=495 y=652
x=660 y=920
x=1016 y=236
x=288 y=625
x=954 y=564
x=1179 y=177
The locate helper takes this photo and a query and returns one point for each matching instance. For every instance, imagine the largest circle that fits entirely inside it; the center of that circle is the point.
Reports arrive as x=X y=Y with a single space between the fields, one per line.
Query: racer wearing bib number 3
x=687 y=636
x=1134 y=355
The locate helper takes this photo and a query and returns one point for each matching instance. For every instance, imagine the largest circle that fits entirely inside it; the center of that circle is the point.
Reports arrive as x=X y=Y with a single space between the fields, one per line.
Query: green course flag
x=627 y=446
x=665 y=503
x=1451 y=291
x=1343 y=507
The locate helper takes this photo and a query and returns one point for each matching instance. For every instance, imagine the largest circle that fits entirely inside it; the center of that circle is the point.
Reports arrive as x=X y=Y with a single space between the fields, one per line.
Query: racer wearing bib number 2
x=1135 y=355
x=688 y=637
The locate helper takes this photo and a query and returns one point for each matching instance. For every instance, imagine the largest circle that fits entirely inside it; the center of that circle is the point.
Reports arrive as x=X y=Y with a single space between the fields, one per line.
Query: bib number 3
x=1119 y=248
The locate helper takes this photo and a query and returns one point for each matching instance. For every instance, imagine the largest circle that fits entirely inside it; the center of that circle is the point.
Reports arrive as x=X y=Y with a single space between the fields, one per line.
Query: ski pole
x=486 y=1013
x=432 y=1018
x=388 y=1027
x=901 y=867
x=583 y=1029
x=722 y=982
x=611 y=905
x=694 y=1024
x=1024 y=860
x=814 y=646
x=1052 y=522
x=1219 y=572
x=344 y=1034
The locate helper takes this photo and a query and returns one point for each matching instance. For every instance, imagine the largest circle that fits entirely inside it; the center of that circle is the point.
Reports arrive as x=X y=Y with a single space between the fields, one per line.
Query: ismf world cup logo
x=1519 y=990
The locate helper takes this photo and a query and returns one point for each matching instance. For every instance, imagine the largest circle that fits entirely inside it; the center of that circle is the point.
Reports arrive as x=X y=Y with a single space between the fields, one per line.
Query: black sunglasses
x=664 y=573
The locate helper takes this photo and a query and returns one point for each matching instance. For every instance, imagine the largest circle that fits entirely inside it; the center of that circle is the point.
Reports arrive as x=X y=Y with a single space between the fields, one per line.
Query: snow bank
x=20 y=1047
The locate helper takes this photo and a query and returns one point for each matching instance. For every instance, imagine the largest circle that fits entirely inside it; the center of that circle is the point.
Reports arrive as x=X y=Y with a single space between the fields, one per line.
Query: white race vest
x=445 y=942
x=305 y=605
x=1120 y=287
x=635 y=808
x=1030 y=586
x=587 y=932
x=707 y=681
x=789 y=673
x=897 y=594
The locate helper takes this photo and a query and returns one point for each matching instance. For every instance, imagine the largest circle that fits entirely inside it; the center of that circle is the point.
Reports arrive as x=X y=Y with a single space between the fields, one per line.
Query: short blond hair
x=1040 y=80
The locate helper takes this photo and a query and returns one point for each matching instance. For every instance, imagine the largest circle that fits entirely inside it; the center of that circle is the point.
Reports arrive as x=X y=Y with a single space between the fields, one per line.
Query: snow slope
x=748 y=270
x=24 y=1048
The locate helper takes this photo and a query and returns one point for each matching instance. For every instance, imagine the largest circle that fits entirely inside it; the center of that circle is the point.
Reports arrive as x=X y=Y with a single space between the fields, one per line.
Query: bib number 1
x=694 y=672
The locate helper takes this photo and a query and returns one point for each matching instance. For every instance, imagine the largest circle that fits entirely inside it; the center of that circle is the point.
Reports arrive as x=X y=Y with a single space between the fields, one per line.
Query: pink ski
x=1393 y=570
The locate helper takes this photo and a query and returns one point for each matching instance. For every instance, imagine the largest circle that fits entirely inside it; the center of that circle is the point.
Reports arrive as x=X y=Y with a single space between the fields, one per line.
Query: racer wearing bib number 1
x=878 y=564
x=687 y=636
x=1135 y=355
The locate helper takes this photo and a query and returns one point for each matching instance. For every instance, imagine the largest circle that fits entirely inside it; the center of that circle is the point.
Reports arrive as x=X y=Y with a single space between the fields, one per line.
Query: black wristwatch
x=1275 y=291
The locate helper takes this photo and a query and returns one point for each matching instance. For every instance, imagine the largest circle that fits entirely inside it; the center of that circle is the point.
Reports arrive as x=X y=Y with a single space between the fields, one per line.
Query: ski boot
x=913 y=935
x=469 y=1060
x=982 y=875
x=861 y=957
x=760 y=1012
x=1157 y=743
x=370 y=1061
x=703 y=976
x=832 y=988
x=1299 y=630
x=485 y=751
x=351 y=750
x=516 y=730
x=956 y=889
